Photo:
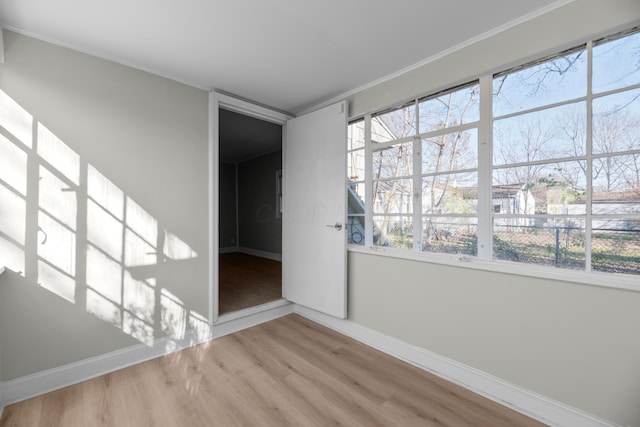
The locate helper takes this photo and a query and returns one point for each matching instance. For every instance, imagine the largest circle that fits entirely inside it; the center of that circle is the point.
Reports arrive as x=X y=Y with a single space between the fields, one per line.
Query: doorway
x=250 y=215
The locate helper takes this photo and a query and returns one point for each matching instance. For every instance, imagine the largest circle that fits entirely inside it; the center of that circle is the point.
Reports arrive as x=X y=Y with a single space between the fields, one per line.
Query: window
x=539 y=162
x=355 y=189
x=538 y=165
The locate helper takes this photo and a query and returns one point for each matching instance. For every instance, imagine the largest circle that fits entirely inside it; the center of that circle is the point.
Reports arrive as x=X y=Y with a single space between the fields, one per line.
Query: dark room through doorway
x=250 y=216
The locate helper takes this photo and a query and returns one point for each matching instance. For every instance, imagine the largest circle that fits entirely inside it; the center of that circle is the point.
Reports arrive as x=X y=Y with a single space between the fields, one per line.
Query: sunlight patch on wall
x=58 y=154
x=56 y=199
x=104 y=275
x=13 y=166
x=139 y=297
x=200 y=326
x=59 y=246
x=126 y=258
x=105 y=193
x=13 y=190
x=140 y=221
x=13 y=210
x=104 y=309
x=56 y=281
x=12 y=255
x=176 y=249
x=174 y=315
x=137 y=251
x=16 y=119
x=104 y=230
x=137 y=329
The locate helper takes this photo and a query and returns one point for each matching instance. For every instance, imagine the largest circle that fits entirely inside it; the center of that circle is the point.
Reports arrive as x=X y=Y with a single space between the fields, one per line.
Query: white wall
x=574 y=343
x=147 y=136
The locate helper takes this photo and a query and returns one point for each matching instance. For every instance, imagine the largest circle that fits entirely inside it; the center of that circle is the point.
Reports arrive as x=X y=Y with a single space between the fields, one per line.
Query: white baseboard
x=262 y=254
x=251 y=311
x=534 y=405
x=22 y=388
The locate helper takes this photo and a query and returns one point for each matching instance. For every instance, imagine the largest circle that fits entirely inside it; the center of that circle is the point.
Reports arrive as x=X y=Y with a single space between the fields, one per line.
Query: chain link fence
x=612 y=250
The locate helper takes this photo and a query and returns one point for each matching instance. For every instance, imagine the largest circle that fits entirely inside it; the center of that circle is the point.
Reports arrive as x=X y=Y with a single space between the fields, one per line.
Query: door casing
x=217 y=101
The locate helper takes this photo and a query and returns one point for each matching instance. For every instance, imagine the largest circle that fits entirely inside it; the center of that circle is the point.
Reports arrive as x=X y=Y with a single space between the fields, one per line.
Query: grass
x=612 y=252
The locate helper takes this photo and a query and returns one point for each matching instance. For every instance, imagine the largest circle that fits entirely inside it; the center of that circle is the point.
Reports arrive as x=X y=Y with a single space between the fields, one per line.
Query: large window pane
x=450 y=193
x=615 y=63
x=356 y=197
x=615 y=245
x=451 y=109
x=617 y=178
x=355 y=229
x=558 y=79
x=546 y=188
x=393 y=230
x=355 y=165
x=355 y=135
x=395 y=196
x=394 y=125
x=616 y=122
x=450 y=152
x=355 y=209
x=542 y=135
x=549 y=241
x=393 y=162
x=453 y=235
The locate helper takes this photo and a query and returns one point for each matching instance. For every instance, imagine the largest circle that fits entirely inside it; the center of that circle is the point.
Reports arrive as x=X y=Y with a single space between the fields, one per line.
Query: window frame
x=484 y=260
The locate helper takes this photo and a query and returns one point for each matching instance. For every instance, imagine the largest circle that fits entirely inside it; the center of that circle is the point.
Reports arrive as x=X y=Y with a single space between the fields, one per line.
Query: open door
x=314 y=237
x=217 y=101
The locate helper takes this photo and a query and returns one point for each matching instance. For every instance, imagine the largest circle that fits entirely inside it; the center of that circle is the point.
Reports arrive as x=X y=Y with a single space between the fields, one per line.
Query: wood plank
x=289 y=371
x=247 y=281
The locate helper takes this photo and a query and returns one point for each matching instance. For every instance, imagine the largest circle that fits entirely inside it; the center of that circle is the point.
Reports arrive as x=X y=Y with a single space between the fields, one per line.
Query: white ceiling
x=287 y=54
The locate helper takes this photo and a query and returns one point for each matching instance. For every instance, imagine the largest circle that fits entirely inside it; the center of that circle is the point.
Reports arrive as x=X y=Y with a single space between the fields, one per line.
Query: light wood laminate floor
x=286 y=372
x=247 y=281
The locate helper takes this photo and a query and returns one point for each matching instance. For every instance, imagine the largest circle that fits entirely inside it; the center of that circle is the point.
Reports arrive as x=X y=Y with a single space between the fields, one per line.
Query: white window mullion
x=485 y=162
x=589 y=129
x=368 y=183
x=417 y=195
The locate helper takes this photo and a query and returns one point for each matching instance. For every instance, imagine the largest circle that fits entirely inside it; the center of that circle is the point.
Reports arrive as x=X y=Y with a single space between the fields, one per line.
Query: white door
x=313 y=236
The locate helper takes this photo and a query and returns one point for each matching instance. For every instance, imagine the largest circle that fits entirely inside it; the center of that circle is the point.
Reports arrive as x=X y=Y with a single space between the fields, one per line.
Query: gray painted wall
x=144 y=140
x=228 y=219
x=575 y=343
x=259 y=228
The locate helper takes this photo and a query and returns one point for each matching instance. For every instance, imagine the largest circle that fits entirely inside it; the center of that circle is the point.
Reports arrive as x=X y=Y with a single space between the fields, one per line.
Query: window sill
x=608 y=280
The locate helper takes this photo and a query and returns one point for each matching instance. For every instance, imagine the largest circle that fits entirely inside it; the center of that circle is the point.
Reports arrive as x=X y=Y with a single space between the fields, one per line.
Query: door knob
x=337 y=226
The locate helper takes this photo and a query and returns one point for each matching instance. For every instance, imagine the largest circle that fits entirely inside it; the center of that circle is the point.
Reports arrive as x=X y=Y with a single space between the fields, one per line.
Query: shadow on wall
x=70 y=232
